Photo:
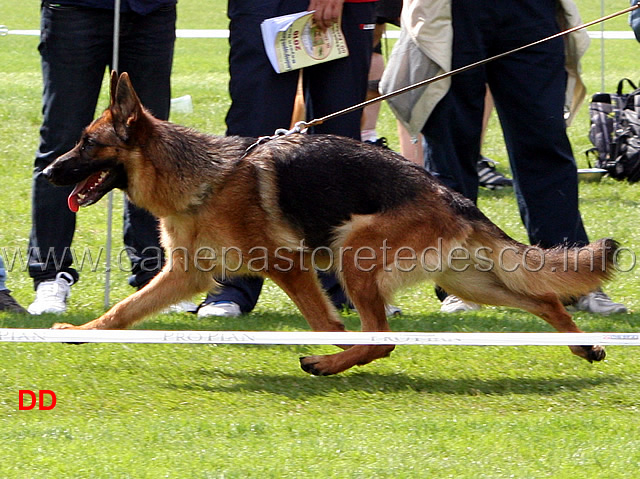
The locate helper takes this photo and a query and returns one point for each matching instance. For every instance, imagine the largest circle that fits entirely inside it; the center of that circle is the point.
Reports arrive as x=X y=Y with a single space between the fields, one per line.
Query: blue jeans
x=76 y=48
x=3 y=275
x=262 y=100
x=634 y=20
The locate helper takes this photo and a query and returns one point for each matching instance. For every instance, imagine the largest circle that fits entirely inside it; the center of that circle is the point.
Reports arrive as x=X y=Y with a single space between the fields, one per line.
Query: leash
x=302 y=126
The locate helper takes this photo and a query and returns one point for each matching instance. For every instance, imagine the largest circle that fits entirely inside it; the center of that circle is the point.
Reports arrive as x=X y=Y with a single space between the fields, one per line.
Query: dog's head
x=98 y=163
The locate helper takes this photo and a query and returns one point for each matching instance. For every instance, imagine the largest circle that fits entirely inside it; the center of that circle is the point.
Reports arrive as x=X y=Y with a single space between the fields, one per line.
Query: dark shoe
x=489 y=177
x=381 y=142
x=7 y=303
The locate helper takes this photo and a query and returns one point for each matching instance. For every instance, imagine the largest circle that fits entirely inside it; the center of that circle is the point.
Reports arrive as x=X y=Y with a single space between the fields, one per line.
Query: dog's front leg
x=303 y=287
x=168 y=287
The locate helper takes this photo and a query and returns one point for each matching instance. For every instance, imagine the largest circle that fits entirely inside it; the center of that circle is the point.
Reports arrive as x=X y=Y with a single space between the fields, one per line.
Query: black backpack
x=615 y=132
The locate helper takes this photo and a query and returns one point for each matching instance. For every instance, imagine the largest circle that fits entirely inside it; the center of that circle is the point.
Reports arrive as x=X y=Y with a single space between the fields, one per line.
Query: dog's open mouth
x=90 y=190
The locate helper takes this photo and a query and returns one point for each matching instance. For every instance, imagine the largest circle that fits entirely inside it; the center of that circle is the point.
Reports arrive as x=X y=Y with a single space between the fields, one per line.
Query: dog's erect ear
x=113 y=86
x=126 y=108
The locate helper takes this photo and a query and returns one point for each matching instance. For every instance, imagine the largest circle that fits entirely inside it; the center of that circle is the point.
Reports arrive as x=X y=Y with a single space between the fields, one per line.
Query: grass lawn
x=193 y=411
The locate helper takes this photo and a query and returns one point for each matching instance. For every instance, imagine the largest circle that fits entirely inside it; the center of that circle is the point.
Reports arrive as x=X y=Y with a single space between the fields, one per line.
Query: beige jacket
x=424 y=51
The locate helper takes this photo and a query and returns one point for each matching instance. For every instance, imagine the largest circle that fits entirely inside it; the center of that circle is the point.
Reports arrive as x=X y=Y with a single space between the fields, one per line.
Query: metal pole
x=114 y=66
x=602 y=87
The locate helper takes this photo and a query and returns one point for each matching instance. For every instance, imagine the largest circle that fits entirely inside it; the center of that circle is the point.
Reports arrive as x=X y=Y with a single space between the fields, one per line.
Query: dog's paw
x=590 y=353
x=64 y=326
x=595 y=353
x=67 y=326
x=313 y=365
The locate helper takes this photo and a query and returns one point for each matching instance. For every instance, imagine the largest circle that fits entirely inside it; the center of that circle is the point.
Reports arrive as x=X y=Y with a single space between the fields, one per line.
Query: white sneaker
x=51 y=296
x=181 y=307
x=219 y=308
x=453 y=304
x=391 y=310
x=598 y=303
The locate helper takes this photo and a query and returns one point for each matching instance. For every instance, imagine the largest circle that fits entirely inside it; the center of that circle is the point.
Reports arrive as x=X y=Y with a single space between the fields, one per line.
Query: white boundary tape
x=10 y=335
x=300 y=338
x=212 y=33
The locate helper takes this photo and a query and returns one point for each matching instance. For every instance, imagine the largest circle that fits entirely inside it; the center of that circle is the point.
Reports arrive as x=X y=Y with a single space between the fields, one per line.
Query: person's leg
x=261 y=102
x=529 y=89
x=529 y=94
x=146 y=53
x=3 y=275
x=453 y=131
x=634 y=20
x=376 y=69
x=452 y=137
x=74 y=48
x=338 y=84
x=242 y=291
x=410 y=148
x=7 y=302
x=261 y=99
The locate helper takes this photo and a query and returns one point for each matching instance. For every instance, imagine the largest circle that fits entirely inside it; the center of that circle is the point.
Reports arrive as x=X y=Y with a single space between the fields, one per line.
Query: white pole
x=114 y=66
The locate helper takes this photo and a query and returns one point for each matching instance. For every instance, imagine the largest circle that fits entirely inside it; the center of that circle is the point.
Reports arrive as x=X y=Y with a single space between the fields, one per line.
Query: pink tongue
x=72 y=201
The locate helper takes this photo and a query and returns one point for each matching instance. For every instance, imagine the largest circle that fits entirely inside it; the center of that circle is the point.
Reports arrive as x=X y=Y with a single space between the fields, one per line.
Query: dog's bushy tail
x=569 y=272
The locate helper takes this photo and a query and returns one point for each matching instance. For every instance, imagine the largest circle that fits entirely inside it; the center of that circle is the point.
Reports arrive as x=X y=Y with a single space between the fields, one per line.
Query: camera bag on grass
x=615 y=132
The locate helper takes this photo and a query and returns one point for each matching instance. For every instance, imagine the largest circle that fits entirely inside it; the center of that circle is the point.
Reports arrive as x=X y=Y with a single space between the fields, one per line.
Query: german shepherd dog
x=282 y=206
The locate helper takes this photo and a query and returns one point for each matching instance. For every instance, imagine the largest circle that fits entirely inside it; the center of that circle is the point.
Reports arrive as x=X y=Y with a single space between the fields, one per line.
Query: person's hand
x=327 y=12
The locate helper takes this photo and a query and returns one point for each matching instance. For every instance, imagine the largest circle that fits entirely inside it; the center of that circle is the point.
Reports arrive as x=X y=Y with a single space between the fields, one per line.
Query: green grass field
x=188 y=411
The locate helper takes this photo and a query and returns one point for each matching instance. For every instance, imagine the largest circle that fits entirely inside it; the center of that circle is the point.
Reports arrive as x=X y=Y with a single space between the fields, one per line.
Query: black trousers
x=76 y=48
x=262 y=100
x=529 y=89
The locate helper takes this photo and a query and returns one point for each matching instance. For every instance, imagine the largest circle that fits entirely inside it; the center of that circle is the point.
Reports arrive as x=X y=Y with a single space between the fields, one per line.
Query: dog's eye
x=87 y=144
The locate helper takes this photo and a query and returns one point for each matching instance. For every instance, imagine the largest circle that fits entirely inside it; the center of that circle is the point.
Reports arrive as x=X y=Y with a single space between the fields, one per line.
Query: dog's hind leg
x=304 y=289
x=553 y=312
x=363 y=290
x=370 y=306
x=168 y=287
x=475 y=287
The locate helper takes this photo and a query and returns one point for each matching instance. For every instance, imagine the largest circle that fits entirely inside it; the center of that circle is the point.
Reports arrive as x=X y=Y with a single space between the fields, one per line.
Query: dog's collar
x=299 y=127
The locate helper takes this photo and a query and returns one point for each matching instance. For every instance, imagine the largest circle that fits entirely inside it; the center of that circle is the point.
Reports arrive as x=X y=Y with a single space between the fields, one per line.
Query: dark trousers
x=75 y=49
x=262 y=100
x=528 y=88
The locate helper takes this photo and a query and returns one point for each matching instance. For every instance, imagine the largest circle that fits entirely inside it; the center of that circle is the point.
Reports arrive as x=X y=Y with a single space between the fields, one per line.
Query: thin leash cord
x=303 y=125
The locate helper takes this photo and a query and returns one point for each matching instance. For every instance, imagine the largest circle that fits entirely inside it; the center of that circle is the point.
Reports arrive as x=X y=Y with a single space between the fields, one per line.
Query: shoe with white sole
x=489 y=177
x=598 y=303
x=453 y=304
x=227 y=309
x=51 y=296
x=391 y=310
x=182 y=307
